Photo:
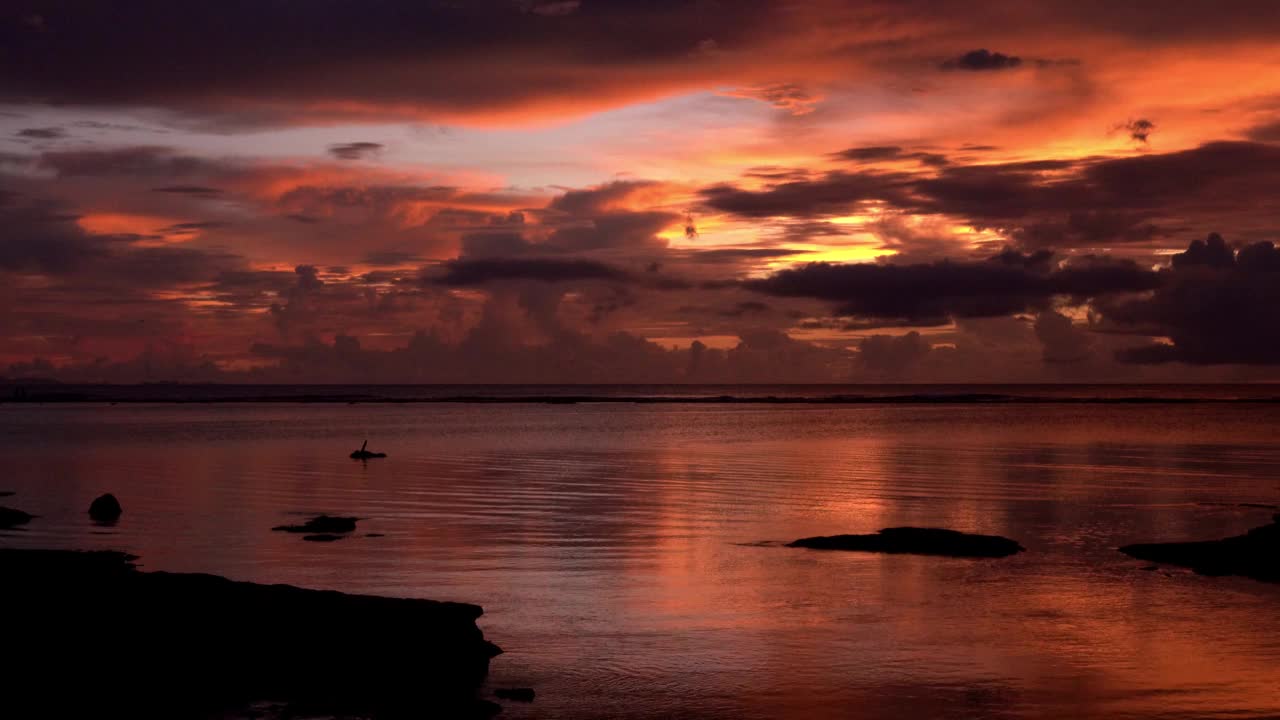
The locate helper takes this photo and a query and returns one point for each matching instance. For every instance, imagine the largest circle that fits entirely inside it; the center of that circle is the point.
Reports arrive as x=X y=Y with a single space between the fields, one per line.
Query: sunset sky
x=640 y=191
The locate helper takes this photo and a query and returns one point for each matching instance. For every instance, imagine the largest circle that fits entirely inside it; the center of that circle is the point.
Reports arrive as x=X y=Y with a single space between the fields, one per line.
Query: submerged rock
x=321 y=525
x=126 y=643
x=12 y=518
x=917 y=541
x=105 y=509
x=517 y=694
x=1256 y=554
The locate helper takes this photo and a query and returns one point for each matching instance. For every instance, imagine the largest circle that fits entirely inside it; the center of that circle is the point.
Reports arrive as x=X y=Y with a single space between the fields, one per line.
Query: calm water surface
x=626 y=555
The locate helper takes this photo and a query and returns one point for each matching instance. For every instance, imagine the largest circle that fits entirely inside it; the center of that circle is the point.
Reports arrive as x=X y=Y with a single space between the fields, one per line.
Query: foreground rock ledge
x=87 y=631
x=917 y=541
x=1256 y=554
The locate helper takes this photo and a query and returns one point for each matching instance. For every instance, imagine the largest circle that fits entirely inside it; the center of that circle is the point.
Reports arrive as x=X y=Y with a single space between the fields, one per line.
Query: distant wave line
x=842 y=399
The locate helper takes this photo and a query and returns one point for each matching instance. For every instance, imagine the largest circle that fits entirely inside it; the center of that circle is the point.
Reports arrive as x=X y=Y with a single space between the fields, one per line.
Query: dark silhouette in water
x=517 y=694
x=105 y=509
x=98 y=638
x=917 y=541
x=10 y=518
x=364 y=454
x=1256 y=554
x=321 y=525
x=5 y=493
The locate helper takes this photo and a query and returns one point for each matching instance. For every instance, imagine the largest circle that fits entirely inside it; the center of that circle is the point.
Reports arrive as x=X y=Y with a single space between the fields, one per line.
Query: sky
x=630 y=191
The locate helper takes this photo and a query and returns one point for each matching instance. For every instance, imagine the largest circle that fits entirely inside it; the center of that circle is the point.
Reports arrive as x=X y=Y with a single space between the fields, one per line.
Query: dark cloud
x=876 y=153
x=1061 y=340
x=1212 y=252
x=734 y=256
x=1091 y=202
x=264 y=62
x=1266 y=132
x=193 y=190
x=41 y=239
x=550 y=8
x=833 y=194
x=144 y=161
x=464 y=273
x=1139 y=130
x=983 y=59
x=929 y=293
x=599 y=199
x=356 y=150
x=390 y=258
x=1214 y=305
x=791 y=97
x=892 y=356
x=186 y=227
x=871 y=152
x=47 y=133
x=746 y=307
x=622 y=229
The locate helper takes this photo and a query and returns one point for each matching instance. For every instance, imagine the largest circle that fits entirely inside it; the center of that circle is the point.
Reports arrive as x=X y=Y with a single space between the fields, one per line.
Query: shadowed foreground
x=1256 y=554
x=108 y=639
x=917 y=541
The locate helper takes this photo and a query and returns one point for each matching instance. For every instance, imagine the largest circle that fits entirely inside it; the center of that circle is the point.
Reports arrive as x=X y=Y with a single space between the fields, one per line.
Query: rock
x=12 y=518
x=374 y=535
x=517 y=694
x=321 y=525
x=5 y=493
x=105 y=509
x=1256 y=554
x=322 y=538
x=202 y=644
x=917 y=541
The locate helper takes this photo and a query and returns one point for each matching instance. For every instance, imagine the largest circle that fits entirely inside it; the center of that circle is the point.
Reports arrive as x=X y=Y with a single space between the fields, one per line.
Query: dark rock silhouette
x=105 y=509
x=517 y=694
x=365 y=454
x=917 y=541
x=126 y=643
x=322 y=538
x=321 y=525
x=12 y=518
x=1256 y=554
x=374 y=535
x=5 y=493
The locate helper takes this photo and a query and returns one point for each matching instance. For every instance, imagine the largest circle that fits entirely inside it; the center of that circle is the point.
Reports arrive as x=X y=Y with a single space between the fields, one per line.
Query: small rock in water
x=374 y=535
x=323 y=524
x=517 y=694
x=12 y=518
x=917 y=541
x=322 y=538
x=105 y=509
x=5 y=493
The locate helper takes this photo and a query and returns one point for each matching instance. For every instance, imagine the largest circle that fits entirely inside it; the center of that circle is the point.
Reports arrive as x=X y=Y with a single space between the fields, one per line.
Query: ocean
x=627 y=543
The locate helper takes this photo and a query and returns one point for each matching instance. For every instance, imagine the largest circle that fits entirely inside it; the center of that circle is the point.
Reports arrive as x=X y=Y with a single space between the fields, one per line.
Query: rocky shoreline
x=1256 y=554
x=91 y=633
